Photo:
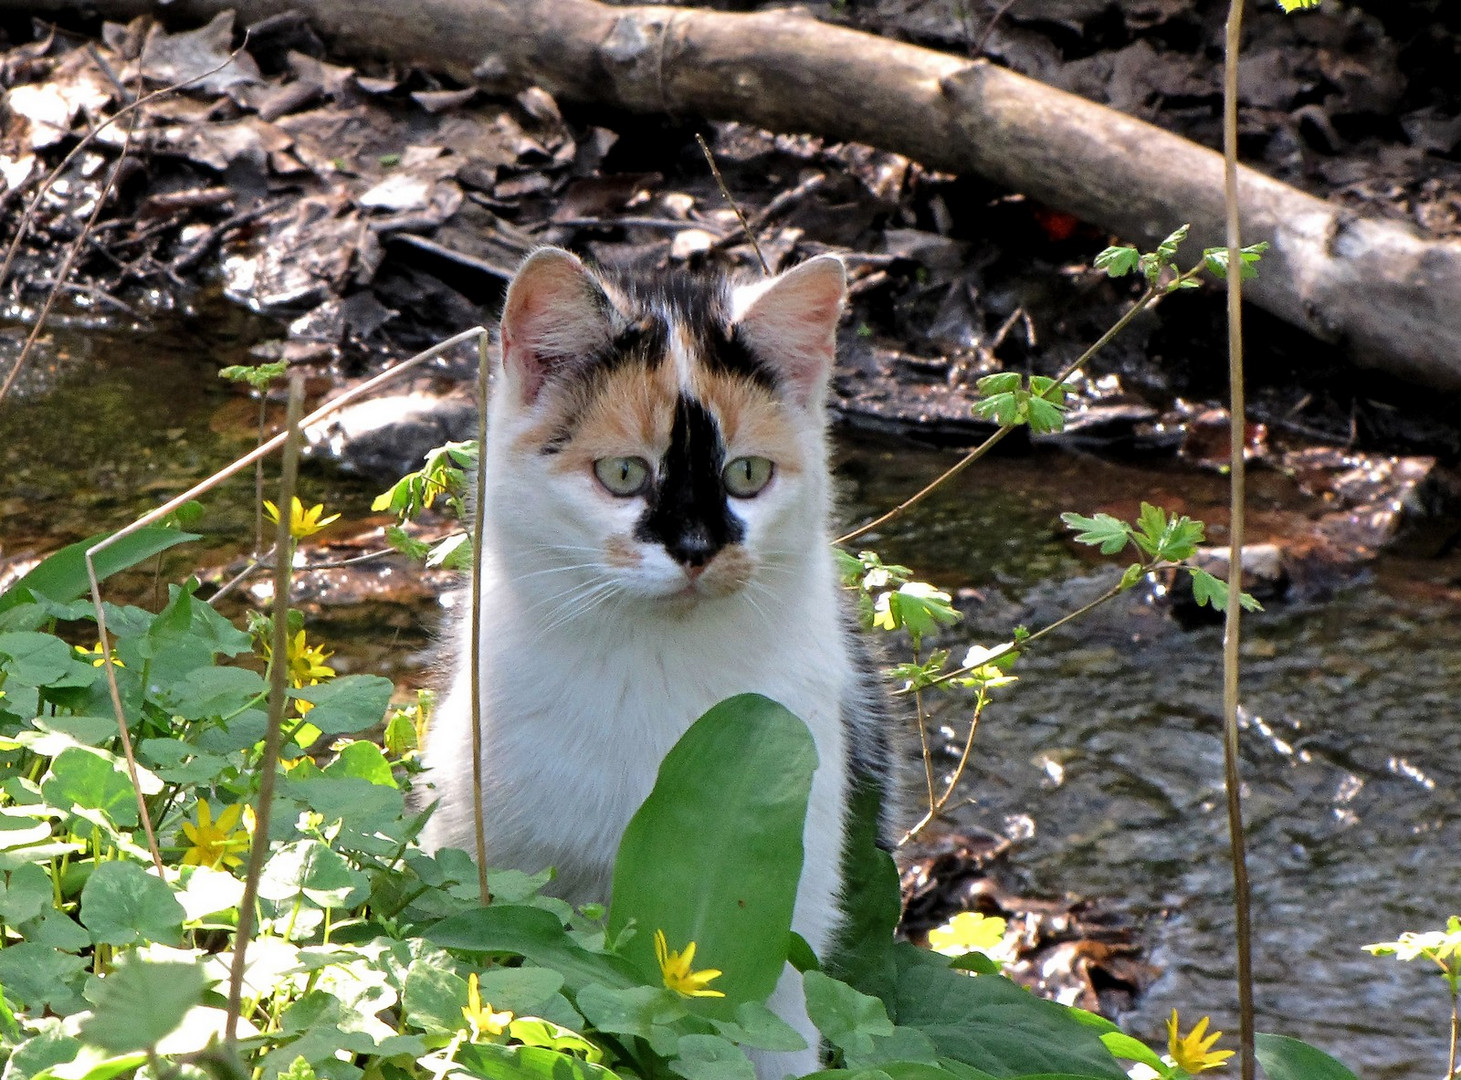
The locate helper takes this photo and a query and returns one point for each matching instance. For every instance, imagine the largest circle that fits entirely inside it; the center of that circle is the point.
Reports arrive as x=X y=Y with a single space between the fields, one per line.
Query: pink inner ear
x=791 y=322
x=555 y=312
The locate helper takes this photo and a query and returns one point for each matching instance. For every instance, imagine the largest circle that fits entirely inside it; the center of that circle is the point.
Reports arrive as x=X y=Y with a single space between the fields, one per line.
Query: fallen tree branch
x=1385 y=295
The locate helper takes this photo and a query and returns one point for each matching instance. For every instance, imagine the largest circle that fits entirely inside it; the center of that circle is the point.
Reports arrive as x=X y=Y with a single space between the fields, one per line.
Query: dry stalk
x=725 y=191
x=479 y=518
x=278 y=700
x=1237 y=419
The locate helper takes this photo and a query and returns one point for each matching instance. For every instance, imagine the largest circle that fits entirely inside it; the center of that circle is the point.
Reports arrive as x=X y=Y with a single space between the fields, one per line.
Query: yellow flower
x=1191 y=1051
x=967 y=932
x=675 y=967
x=302 y=522
x=480 y=1018
x=216 y=843
x=100 y=656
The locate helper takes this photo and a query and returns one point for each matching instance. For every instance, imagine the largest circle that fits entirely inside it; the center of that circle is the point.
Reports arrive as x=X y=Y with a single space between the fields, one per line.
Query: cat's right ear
x=555 y=314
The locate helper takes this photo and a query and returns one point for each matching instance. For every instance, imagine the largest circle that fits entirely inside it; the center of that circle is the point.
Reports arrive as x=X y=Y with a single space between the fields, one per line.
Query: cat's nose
x=693 y=548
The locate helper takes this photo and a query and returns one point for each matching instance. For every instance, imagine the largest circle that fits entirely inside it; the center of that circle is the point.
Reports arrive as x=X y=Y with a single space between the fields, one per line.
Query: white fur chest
x=575 y=726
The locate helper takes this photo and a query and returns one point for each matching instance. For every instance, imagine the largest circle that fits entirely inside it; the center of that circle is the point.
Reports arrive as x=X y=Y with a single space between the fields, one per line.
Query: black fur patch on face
x=688 y=512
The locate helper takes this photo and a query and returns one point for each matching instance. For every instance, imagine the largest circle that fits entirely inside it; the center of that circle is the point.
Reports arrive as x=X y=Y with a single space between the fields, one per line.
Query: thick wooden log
x=1390 y=298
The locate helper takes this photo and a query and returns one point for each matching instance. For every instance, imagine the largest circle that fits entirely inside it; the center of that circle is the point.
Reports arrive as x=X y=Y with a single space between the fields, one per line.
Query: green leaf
x=1046 y=417
x=363 y=761
x=259 y=376
x=347 y=704
x=1003 y=382
x=1207 y=589
x=1125 y=1047
x=709 y=1057
x=846 y=1018
x=1284 y=1058
x=988 y=1021
x=37 y=975
x=93 y=1063
x=122 y=904
x=26 y=893
x=715 y=853
x=757 y=1026
x=82 y=776
x=34 y=658
x=644 y=1012
x=1131 y=576
x=310 y=869
x=535 y=935
x=1112 y=534
x=34 y=1056
x=526 y=1063
x=62 y=576
x=1118 y=261
x=1215 y=259
x=1167 y=249
x=139 y=1003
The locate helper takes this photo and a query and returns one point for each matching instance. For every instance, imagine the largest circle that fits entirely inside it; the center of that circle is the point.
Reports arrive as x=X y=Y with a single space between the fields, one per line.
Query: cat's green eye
x=746 y=477
x=622 y=476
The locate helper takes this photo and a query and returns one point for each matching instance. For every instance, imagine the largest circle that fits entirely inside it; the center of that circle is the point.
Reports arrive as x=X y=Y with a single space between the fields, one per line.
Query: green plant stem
x=1242 y=907
x=1153 y=292
x=1011 y=647
x=937 y=805
x=278 y=699
x=923 y=735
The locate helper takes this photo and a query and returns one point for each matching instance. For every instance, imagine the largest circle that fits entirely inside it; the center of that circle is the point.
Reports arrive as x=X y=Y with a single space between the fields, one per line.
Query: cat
x=656 y=540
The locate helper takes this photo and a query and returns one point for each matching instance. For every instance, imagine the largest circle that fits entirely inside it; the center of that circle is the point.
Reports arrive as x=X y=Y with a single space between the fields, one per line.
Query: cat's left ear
x=790 y=323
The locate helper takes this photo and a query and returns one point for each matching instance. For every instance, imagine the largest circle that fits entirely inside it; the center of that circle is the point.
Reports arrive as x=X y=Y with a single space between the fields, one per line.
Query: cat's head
x=661 y=437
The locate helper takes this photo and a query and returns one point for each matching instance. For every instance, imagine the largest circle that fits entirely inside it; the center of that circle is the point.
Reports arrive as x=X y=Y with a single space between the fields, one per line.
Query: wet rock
x=386 y=437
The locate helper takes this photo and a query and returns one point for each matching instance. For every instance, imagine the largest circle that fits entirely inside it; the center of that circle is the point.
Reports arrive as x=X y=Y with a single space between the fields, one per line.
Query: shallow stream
x=1104 y=759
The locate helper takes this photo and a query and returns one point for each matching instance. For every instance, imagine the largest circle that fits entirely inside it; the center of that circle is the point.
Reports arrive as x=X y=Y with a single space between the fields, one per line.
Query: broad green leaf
x=1112 y=534
x=989 y=1022
x=37 y=975
x=94 y=1063
x=535 y=1031
x=217 y=692
x=34 y=1056
x=122 y=904
x=433 y=997
x=81 y=776
x=35 y=658
x=645 y=1012
x=361 y=760
x=310 y=869
x=535 y=935
x=904 y=1044
x=715 y=853
x=1127 y=1048
x=139 y=1003
x=347 y=704
x=1284 y=1058
x=526 y=1063
x=846 y=1018
x=709 y=1057
x=62 y=576
x=26 y=892
x=757 y=1026
x=1207 y=589
x=1003 y=382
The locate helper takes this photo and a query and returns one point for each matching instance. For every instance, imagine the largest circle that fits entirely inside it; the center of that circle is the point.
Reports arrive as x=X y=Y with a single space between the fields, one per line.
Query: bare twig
x=1152 y=293
x=1242 y=906
x=278 y=700
x=936 y=806
x=479 y=521
x=720 y=182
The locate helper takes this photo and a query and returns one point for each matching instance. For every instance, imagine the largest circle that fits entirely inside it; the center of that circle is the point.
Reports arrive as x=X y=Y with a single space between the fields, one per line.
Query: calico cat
x=656 y=540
